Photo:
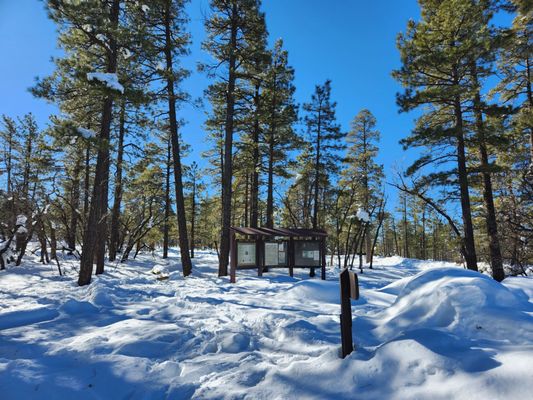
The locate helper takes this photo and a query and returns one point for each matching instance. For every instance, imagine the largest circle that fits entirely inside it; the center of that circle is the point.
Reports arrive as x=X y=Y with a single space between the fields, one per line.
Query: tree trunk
x=530 y=101
x=228 y=148
x=396 y=247
x=488 y=198
x=469 y=246
x=178 y=181
x=74 y=205
x=86 y=181
x=405 y=230
x=254 y=191
x=246 y=198
x=95 y=233
x=117 y=200
x=270 y=183
x=53 y=243
x=317 y=173
x=381 y=216
x=166 y=225
x=424 y=245
x=193 y=215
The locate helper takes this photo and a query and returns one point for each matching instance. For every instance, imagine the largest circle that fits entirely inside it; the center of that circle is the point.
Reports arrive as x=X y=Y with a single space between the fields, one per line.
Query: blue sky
x=351 y=42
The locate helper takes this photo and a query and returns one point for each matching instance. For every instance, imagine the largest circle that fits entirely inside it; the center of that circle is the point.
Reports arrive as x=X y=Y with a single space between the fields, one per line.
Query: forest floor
x=422 y=330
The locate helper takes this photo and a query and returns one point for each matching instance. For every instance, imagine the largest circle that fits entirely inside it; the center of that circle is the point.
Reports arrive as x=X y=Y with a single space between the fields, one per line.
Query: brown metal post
x=346 y=314
x=323 y=258
x=258 y=252
x=233 y=257
x=312 y=270
x=290 y=257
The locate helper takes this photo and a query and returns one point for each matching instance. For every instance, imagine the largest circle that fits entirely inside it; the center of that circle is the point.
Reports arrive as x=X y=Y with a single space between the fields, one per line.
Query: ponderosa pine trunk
x=74 y=205
x=176 y=152
x=462 y=175
x=270 y=183
x=86 y=180
x=166 y=224
x=117 y=199
x=495 y=254
x=254 y=190
x=228 y=147
x=317 y=172
x=529 y=93
x=405 y=230
x=95 y=233
x=193 y=215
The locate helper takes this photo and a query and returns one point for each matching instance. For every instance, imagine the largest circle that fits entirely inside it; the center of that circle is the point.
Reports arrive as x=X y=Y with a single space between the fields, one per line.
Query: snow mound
x=161 y=271
x=465 y=303
x=314 y=291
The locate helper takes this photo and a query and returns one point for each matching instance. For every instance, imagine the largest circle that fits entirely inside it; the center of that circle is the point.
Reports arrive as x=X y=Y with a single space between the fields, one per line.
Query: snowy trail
x=446 y=333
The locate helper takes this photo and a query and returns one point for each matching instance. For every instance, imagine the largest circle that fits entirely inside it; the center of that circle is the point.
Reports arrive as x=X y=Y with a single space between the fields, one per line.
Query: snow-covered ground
x=422 y=330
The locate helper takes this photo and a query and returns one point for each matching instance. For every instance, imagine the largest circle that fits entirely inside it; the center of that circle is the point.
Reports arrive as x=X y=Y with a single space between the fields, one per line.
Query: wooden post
x=233 y=257
x=323 y=258
x=290 y=256
x=349 y=286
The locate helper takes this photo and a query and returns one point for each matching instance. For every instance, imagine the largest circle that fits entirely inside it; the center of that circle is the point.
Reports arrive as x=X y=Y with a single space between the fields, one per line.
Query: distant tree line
x=107 y=178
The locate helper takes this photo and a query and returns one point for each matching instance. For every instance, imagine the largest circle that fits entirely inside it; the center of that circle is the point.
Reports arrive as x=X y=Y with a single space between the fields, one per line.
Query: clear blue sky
x=351 y=42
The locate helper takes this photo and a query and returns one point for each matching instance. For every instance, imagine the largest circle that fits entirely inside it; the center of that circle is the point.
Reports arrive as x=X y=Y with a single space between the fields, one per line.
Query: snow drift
x=422 y=330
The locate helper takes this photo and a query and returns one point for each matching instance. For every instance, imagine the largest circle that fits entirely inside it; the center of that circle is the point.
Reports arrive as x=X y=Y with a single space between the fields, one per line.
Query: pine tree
x=515 y=67
x=91 y=34
x=481 y=67
x=435 y=54
x=281 y=113
x=362 y=168
x=234 y=29
x=325 y=137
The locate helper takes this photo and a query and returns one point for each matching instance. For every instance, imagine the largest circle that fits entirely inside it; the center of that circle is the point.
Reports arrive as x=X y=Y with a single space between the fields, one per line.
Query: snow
x=126 y=53
x=363 y=215
x=108 y=79
x=21 y=220
x=422 y=329
x=101 y=37
x=86 y=133
x=161 y=66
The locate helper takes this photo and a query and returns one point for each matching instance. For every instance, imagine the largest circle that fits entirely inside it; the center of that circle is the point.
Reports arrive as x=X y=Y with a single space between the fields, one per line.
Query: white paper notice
x=245 y=253
x=271 y=254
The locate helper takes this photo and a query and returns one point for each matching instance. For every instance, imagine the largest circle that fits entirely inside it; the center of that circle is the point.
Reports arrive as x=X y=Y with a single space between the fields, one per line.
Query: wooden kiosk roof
x=284 y=232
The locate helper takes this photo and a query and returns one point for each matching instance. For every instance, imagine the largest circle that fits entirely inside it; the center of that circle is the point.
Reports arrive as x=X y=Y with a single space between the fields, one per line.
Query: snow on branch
x=363 y=215
x=108 y=79
x=86 y=133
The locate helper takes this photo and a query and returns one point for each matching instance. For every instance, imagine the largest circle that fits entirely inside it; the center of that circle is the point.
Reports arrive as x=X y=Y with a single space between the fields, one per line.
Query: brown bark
x=496 y=260
x=228 y=147
x=317 y=172
x=270 y=183
x=176 y=152
x=117 y=198
x=166 y=224
x=468 y=237
x=193 y=215
x=74 y=204
x=254 y=191
x=95 y=233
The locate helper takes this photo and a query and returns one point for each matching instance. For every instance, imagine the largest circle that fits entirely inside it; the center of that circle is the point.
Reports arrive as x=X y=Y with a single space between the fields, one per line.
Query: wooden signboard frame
x=263 y=236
